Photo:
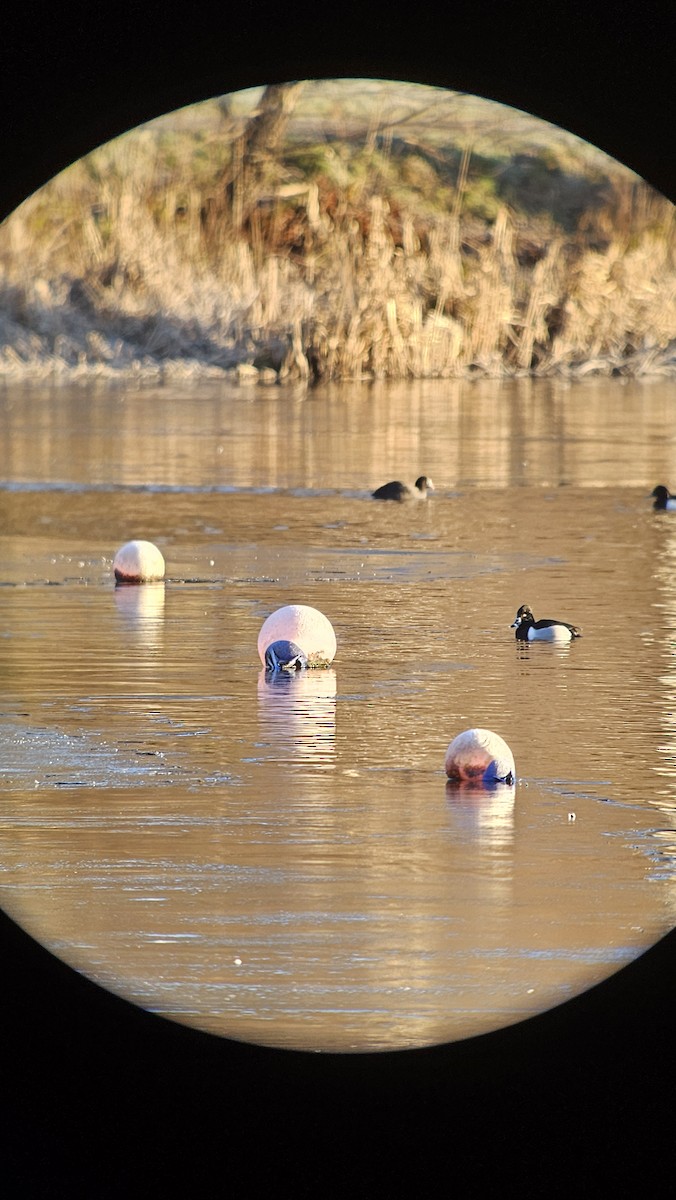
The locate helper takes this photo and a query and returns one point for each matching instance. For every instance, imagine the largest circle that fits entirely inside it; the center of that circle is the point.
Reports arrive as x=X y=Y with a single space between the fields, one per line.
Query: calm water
x=284 y=863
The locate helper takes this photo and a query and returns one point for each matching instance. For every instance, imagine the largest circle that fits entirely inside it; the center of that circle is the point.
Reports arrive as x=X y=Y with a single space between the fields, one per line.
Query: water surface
x=284 y=863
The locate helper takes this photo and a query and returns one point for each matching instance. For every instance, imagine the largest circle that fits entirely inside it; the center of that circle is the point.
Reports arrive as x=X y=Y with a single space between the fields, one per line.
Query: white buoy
x=307 y=627
x=479 y=756
x=138 y=562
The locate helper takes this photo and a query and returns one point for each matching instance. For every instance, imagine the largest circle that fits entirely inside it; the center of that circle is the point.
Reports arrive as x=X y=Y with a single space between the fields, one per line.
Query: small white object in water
x=479 y=756
x=138 y=562
x=571 y=816
x=307 y=627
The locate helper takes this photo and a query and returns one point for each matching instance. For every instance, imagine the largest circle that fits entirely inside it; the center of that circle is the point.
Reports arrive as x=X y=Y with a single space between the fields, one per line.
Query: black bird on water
x=401 y=491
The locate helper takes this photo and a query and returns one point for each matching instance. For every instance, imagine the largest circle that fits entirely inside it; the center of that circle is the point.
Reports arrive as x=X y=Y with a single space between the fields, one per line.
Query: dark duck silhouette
x=396 y=490
x=663 y=499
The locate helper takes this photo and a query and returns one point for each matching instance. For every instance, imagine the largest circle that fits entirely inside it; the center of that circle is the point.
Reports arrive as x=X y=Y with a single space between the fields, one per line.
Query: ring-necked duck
x=138 y=562
x=663 y=498
x=530 y=630
x=479 y=756
x=401 y=491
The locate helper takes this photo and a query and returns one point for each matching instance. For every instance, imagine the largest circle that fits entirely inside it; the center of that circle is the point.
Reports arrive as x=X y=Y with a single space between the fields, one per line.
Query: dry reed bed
x=111 y=274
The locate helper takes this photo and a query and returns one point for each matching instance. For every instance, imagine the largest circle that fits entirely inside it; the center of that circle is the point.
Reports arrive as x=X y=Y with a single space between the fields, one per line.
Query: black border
x=96 y=1092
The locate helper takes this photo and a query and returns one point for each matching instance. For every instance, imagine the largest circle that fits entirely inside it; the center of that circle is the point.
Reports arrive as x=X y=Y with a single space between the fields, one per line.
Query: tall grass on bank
x=133 y=261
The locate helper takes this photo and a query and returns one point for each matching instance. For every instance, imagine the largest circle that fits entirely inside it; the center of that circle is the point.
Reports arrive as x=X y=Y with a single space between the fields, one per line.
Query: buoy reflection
x=297 y=715
x=142 y=609
x=484 y=811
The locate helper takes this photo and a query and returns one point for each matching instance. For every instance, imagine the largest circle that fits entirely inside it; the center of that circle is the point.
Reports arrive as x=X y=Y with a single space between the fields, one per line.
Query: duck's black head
x=660 y=495
x=424 y=484
x=523 y=617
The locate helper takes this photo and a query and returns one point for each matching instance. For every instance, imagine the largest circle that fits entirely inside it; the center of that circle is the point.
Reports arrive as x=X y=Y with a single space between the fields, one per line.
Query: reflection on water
x=142 y=609
x=282 y=860
x=492 y=433
x=486 y=813
x=297 y=715
x=665 y=766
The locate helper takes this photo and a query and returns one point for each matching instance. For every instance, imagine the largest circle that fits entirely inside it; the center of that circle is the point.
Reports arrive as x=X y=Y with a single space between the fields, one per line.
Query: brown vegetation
x=317 y=258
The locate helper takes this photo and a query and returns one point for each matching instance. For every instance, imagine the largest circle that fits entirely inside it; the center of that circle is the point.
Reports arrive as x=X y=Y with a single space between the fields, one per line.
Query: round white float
x=479 y=756
x=138 y=562
x=306 y=626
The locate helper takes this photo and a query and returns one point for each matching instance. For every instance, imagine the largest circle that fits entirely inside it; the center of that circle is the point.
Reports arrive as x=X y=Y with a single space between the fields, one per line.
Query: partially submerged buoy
x=138 y=562
x=305 y=629
x=479 y=756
